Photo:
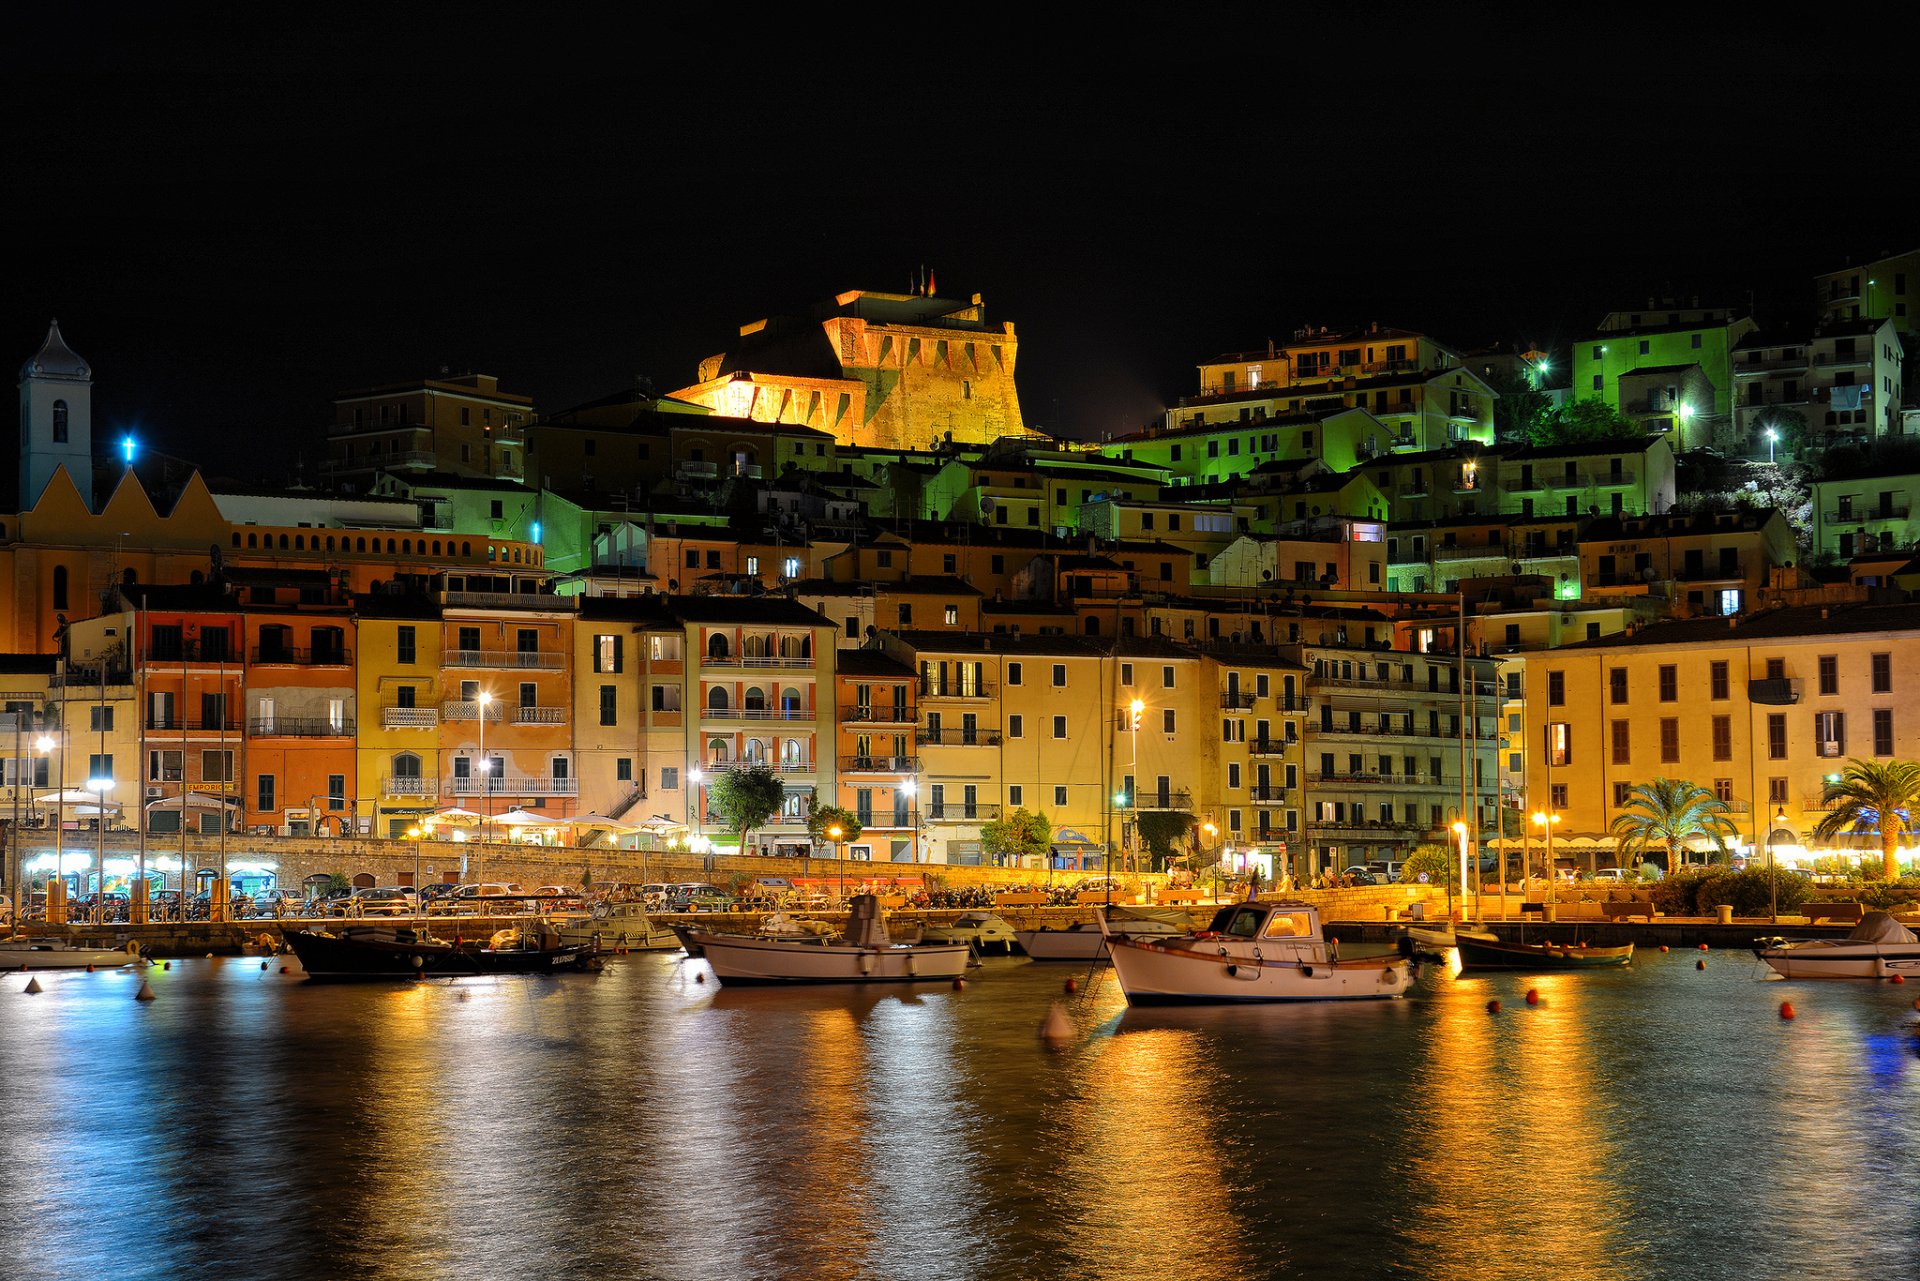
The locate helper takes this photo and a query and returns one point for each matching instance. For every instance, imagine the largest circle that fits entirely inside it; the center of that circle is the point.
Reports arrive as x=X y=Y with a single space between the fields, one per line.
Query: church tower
x=56 y=419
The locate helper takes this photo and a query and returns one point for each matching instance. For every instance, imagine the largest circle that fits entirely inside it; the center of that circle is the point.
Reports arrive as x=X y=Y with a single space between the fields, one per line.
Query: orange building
x=879 y=753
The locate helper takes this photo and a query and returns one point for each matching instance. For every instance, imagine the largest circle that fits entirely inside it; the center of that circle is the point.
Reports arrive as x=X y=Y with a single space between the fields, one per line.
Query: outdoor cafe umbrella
x=587 y=824
x=455 y=815
x=72 y=796
x=524 y=821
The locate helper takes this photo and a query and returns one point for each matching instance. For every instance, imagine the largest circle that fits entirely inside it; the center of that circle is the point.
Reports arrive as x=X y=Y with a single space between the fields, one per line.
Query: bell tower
x=56 y=419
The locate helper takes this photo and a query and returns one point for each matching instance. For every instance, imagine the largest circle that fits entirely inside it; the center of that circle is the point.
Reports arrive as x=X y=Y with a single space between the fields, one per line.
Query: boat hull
x=1841 y=961
x=744 y=959
x=54 y=955
x=1077 y=944
x=620 y=932
x=1482 y=953
x=334 y=956
x=1185 y=971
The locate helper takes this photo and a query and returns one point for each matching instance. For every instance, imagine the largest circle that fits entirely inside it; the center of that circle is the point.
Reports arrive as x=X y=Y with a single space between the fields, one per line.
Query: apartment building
x=1643 y=363
x=1760 y=710
x=1842 y=384
x=463 y=424
x=1709 y=562
x=1865 y=515
x=878 y=746
x=1883 y=288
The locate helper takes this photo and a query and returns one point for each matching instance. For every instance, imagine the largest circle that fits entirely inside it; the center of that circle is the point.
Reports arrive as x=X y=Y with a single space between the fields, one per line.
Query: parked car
x=488 y=898
x=1611 y=875
x=697 y=897
x=434 y=893
x=1365 y=875
x=277 y=903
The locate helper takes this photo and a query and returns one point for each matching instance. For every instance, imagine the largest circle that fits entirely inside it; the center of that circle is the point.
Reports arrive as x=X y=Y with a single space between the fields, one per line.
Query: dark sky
x=233 y=220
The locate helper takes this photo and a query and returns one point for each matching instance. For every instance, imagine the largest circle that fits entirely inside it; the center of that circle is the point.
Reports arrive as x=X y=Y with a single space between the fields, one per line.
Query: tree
x=1873 y=799
x=1582 y=422
x=745 y=798
x=1667 y=813
x=1159 y=829
x=1518 y=402
x=825 y=818
x=1021 y=834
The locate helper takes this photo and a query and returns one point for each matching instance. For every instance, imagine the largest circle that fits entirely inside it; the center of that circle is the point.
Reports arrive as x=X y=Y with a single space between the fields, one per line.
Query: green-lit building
x=1668 y=366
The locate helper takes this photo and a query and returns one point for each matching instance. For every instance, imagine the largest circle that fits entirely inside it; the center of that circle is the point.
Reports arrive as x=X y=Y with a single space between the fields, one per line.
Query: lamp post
x=100 y=787
x=1212 y=832
x=482 y=701
x=1773 y=876
x=1135 y=710
x=834 y=834
x=1546 y=821
x=696 y=803
x=909 y=788
x=45 y=745
x=1685 y=414
x=1773 y=438
x=1460 y=831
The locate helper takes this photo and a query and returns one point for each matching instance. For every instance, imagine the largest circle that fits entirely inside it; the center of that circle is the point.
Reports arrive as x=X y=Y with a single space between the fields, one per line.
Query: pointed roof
x=56 y=360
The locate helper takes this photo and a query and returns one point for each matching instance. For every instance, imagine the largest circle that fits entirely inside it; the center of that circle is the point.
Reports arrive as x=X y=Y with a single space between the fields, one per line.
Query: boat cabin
x=1267 y=921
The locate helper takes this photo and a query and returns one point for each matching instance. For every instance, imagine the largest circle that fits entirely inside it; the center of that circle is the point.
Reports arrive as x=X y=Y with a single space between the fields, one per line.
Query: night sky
x=232 y=221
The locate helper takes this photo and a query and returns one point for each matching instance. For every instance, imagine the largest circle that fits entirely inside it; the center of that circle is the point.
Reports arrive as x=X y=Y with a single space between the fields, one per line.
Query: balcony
x=756 y=714
x=1755 y=365
x=1365 y=827
x=888 y=822
x=698 y=471
x=298 y=727
x=539 y=716
x=795 y=661
x=468 y=709
x=1241 y=701
x=1866 y=517
x=1156 y=799
x=778 y=767
x=505 y=600
x=193 y=651
x=295 y=656
x=876 y=764
x=511 y=785
x=1703 y=573
x=1778 y=692
x=962 y=737
x=1269 y=795
x=1843 y=359
x=1493 y=551
x=1270 y=746
x=505 y=659
x=180 y=725
x=410 y=717
x=960 y=812
x=956 y=689
x=897 y=714
x=414 y=786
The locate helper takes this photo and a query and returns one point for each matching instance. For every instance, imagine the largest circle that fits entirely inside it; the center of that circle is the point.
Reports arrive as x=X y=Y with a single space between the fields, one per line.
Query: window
x=753 y=564
x=1622 y=752
x=1669 y=683
x=1830 y=733
x=1059 y=796
x=1059 y=727
x=1717 y=679
x=1015 y=794
x=623 y=769
x=1559 y=743
x=1559 y=795
x=790 y=567
x=1166 y=678
x=100 y=718
x=1126 y=675
x=1622 y=792
x=1556 y=689
x=609 y=704
x=215 y=767
x=1829 y=674
x=1059 y=675
x=1777 y=737
x=607 y=654
x=1883 y=673
x=1617 y=685
x=263 y=796
x=1166 y=721
x=1669 y=739
x=1013 y=673
x=336 y=791
x=953 y=615
x=1883 y=731
x=1723 y=790
x=1016 y=726
x=59 y=422
x=60 y=588
x=1776 y=791
x=1723 y=738
x=669 y=778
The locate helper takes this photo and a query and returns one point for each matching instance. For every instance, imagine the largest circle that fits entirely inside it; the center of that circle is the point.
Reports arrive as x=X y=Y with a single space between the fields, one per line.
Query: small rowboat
x=1481 y=952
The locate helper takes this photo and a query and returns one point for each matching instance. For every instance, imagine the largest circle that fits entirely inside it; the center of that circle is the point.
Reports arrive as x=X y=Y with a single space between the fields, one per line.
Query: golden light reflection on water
x=1520 y=1082
x=1141 y=1205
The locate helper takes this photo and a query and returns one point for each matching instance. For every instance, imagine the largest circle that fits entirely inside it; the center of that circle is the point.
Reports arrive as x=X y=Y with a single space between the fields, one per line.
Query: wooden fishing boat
x=1485 y=952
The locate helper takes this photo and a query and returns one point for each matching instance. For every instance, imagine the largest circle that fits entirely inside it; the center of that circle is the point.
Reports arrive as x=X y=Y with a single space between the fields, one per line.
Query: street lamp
x=909 y=788
x=834 y=834
x=45 y=745
x=1460 y=831
x=1685 y=412
x=1773 y=876
x=1773 y=438
x=695 y=802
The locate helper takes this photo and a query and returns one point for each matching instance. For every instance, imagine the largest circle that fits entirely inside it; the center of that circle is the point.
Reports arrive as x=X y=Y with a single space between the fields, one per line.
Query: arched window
x=406 y=546
x=790 y=699
x=389 y=547
x=466 y=549
x=1093 y=627
x=283 y=542
x=253 y=540
x=436 y=547
x=299 y=542
x=755 y=699
x=754 y=646
x=59 y=422
x=717 y=750
x=790 y=753
x=236 y=538
x=406 y=765
x=60 y=587
x=489 y=551
x=717 y=698
x=755 y=752
x=329 y=542
x=717 y=646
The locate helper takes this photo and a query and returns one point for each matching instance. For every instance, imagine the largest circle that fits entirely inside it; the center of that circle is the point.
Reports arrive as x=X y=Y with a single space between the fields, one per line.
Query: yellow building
x=397 y=701
x=1761 y=711
x=463 y=424
x=630 y=700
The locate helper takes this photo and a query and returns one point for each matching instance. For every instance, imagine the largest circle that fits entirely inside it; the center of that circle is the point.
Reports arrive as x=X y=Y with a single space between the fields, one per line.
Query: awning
x=193 y=801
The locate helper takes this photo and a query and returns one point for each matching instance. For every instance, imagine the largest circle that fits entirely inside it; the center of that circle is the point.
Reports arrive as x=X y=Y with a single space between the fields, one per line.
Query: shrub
x=1437 y=861
x=1887 y=896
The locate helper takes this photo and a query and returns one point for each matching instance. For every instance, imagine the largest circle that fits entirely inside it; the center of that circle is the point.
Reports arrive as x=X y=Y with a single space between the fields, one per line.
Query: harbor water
x=1658 y=1122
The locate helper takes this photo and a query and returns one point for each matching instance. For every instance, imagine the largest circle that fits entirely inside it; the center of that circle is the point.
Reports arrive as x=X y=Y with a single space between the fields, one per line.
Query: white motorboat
x=984 y=931
x=1251 y=952
x=863 y=955
x=60 y=954
x=619 y=927
x=1088 y=942
x=1879 y=947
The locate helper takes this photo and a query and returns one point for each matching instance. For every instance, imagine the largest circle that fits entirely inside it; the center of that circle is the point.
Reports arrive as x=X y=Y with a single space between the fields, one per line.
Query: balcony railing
x=539 y=716
x=509 y=659
x=1155 y=799
x=798 y=661
x=1710 y=573
x=1866 y=517
x=1259 y=795
x=961 y=737
x=960 y=812
x=879 y=714
x=876 y=764
x=778 y=767
x=410 y=717
x=293 y=655
x=956 y=689
x=506 y=600
x=1241 y=700
x=511 y=785
x=468 y=709
x=181 y=725
x=1269 y=746
x=756 y=714
x=298 y=727
x=1494 y=551
x=1778 y=692
x=192 y=651
x=428 y=788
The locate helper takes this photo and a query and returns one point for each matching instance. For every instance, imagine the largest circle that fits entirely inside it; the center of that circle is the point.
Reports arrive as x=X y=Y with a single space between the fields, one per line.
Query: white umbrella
x=602 y=822
x=72 y=796
x=193 y=801
x=454 y=814
x=525 y=818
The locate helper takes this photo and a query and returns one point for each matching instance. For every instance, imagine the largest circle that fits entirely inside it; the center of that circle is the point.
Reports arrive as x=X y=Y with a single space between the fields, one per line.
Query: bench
x=1628 y=908
x=1019 y=899
x=1831 y=912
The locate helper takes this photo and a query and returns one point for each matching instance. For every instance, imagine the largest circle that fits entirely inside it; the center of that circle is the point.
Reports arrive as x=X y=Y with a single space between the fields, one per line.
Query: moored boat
x=619 y=927
x=534 y=948
x=863 y=955
x=1877 y=948
x=1086 y=941
x=1251 y=952
x=379 y=952
x=1488 y=952
x=984 y=931
x=60 y=954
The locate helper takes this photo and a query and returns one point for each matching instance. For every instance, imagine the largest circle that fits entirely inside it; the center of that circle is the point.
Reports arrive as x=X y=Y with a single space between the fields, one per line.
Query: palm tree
x=1669 y=812
x=1871 y=798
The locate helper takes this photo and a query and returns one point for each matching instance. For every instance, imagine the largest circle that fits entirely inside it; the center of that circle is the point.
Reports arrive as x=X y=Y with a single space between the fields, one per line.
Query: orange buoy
x=89 y=969
x=1072 y=986
x=1533 y=996
x=1786 y=1010
x=959 y=985
x=1703 y=947
x=1896 y=978
x=167 y=966
x=1699 y=965
x=1663 y=947
x=1493 y=1007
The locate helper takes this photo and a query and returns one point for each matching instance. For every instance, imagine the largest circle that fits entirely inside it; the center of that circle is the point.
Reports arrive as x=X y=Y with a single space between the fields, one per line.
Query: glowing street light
x=1772 y=438
x=1460 y=830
